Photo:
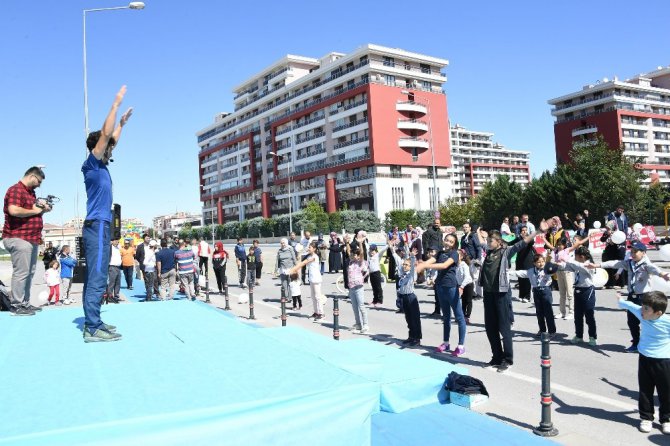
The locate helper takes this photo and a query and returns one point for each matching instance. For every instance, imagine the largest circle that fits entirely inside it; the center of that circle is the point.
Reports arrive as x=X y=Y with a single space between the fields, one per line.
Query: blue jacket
x=240 y=253
x=67 y=265
x=470 y=243
x=618 y=221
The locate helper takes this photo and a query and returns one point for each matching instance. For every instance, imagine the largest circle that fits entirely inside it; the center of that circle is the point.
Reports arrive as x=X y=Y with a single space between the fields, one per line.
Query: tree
x=604 y=177
x=314 y=218
x=453 y=212
x=649 y=208
x=499 y=199
x=400 y=218
x=335 y=221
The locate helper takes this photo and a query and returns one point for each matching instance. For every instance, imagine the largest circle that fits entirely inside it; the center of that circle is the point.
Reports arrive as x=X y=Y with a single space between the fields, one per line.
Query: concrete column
x=331 y=197
x=266 y=205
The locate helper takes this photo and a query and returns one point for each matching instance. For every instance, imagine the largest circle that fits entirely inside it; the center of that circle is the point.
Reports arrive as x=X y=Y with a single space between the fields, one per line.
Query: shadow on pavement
x=596 y=412
x=511 y=421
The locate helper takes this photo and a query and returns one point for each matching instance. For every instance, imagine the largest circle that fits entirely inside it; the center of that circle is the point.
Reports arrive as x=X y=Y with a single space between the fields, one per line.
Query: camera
x=50 y=200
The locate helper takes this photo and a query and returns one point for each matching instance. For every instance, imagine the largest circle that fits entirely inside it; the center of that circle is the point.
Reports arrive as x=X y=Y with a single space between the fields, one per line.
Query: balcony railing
x=350 y=142
x=350 y=124
x=309 y=138
x=351 y=179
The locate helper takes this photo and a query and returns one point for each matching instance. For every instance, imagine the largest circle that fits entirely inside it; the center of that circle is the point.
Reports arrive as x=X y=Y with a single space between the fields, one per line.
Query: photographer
x=22 y=235
x=50 y=253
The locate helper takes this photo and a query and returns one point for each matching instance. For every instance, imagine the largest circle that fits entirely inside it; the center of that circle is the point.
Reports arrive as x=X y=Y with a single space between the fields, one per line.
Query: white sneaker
x=645 y=426
x=665 y=428
x=67 y=302
x=569 y=317
x=364 y=329
x=356 y=327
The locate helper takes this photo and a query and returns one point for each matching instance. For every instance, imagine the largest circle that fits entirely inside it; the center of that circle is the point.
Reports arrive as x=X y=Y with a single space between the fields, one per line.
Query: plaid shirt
x=27 y=228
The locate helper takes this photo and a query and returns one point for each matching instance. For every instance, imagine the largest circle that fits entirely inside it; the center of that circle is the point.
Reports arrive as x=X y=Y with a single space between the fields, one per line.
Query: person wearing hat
x=128 y=261
x=639 y=268
x=150 y=269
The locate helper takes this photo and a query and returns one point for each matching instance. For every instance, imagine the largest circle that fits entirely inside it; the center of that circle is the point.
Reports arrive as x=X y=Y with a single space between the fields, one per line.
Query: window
x=426 y=85
x=425 y=68
x=432 y=196
x=389 y=61
x=397 y=198
x=390 y=79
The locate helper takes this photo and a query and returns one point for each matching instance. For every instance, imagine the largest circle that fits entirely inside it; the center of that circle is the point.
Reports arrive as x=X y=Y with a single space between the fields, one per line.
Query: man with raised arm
x=96 y=231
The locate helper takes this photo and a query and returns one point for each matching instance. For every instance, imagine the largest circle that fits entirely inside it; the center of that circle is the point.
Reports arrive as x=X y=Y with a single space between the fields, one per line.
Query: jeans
x=128 y=274
x=412 y=314
x=24 y=261
x=450 y=300
x=285 y=280
x=497 y=324
x=242 y=271
x=149 y=281
x=543 y=310
x=97 y=249
x=358 y=304
x=585 y=303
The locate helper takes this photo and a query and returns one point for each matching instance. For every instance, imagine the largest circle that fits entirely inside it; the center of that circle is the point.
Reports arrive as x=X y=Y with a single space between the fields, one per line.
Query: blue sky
x=180 y=60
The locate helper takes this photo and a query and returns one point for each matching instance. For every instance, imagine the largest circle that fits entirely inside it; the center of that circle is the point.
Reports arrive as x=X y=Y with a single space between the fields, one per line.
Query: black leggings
x=466 y=299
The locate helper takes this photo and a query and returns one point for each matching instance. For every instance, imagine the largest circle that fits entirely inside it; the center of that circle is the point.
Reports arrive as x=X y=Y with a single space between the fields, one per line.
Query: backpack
x=5 y=301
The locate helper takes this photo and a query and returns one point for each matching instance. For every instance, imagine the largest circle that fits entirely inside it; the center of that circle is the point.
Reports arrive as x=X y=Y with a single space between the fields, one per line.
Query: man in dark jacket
x=432 y=237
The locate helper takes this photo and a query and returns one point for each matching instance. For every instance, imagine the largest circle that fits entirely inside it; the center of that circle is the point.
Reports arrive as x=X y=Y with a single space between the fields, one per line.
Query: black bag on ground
x=5 y=301
x=464 y=384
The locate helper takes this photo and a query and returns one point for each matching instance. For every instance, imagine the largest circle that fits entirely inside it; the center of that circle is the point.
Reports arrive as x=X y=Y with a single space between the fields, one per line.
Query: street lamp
x=290 y=204
x=432 y=149
x=131 y=5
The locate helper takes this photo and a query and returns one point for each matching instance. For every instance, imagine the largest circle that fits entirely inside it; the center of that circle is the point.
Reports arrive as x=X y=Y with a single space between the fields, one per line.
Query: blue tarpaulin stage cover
x=185 y=373
x=182 y=374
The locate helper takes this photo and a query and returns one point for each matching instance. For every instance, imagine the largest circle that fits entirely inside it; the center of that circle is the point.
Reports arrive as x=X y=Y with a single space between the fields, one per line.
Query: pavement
x=594 y=388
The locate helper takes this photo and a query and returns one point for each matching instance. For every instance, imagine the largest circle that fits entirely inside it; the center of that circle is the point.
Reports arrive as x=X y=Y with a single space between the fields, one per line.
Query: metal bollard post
x=546 y=427
x=336 y=318
x=225 y=292
x=283 y=307
x=207 y=289
x=251 y=301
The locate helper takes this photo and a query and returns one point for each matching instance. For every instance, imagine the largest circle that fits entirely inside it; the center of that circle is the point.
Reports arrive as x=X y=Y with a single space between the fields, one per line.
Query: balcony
x=413 y=143
x=412 y=124
x=584 y=130
x=411 y=106
x=351 y=179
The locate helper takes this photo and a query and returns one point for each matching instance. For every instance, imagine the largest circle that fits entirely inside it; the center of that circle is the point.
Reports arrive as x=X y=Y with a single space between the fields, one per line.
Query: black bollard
x=251 y=301
x=207 y=289
x=546 y=427
x=225 y=292
x=283 y=307
x=336 y=318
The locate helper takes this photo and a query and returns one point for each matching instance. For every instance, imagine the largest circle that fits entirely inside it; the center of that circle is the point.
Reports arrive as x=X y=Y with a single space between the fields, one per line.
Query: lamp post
x=131 y=5
x=290 y=200
x=432 y=150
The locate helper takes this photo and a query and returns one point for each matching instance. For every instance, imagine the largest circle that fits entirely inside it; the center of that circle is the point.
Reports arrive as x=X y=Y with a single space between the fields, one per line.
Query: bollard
x=336 y=318
x=283 y=307
x=207 y=289
x=225 y=292
x=251 y=301
x=546 y=427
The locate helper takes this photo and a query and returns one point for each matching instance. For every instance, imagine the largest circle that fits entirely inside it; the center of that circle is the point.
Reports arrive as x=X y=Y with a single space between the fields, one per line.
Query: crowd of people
x=477 y=264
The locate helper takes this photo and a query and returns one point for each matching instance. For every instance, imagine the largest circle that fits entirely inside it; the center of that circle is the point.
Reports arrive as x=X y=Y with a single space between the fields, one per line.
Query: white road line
x=556 y=388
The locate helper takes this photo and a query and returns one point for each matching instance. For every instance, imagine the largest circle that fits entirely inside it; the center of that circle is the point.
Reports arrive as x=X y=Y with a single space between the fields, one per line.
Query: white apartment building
x=633 y=114
x=363 y=128
x=477 y=160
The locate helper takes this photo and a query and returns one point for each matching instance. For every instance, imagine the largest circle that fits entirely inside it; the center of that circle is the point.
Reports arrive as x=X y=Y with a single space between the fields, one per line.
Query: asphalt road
x=595 y=388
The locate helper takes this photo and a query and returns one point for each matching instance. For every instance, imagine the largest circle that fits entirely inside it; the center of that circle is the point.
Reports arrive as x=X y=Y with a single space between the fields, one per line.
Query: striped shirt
x=185 y=261
x=406 y=279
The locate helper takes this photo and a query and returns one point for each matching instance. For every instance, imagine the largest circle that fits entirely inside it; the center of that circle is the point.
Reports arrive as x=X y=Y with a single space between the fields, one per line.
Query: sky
x=181 y=59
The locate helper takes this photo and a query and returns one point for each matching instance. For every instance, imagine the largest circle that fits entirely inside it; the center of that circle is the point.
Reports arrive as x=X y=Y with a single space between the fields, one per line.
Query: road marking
x=580 y=393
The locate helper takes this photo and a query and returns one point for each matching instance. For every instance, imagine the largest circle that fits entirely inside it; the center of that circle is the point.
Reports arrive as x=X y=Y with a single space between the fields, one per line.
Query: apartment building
x=171 y=223
x=478 y=160
x=633 y=114
x=364 y=128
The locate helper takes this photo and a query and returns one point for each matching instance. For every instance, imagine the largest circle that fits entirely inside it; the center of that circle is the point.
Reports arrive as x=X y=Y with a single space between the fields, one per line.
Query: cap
x=638 y=246
x=550 y=268
x=153 y=242
x=373 y=247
